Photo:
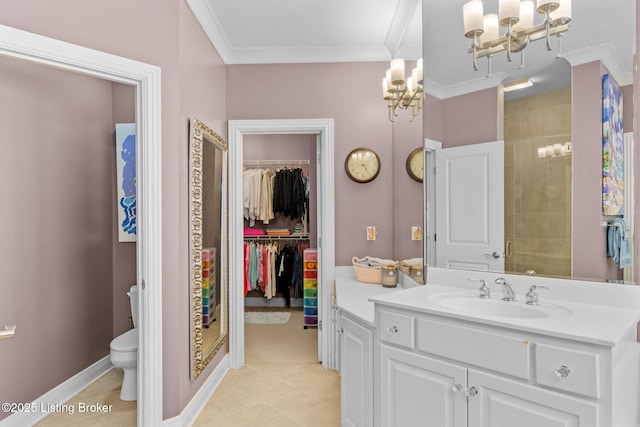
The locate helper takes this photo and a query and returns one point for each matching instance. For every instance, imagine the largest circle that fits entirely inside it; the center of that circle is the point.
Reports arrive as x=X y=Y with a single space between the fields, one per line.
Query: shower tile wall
x=538 y=191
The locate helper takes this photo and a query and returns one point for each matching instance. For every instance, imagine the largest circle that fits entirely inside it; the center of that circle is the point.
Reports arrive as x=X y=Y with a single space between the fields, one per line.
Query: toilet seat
x=126 y=342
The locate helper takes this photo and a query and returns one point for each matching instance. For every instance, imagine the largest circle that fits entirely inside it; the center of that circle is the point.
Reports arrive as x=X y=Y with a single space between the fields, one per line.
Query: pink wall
x=589 y=237
x=193 y=84
x=345 y=92
x=57 y=165
x=470 y=118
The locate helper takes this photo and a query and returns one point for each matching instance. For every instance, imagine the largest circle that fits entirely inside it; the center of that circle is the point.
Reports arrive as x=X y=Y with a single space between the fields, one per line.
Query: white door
x=416 y=390
x=470 y=207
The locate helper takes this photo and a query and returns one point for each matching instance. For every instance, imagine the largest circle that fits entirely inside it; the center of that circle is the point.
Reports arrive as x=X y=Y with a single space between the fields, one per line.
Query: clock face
x=415 y=165
x=362 y=165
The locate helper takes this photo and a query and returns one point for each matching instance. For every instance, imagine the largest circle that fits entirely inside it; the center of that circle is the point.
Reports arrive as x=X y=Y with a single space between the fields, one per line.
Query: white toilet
x=124 y=351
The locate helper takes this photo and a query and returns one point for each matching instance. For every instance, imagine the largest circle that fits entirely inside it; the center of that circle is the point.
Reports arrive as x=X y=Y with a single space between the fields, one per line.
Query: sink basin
x=466 y=303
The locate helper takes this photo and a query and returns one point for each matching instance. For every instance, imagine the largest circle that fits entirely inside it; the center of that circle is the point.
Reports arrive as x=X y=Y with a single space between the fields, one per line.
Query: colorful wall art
x=612 y=148
x=126 y=180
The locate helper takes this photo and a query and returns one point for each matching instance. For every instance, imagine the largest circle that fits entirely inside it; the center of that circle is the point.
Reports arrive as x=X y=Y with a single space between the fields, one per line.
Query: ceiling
x=311 y=31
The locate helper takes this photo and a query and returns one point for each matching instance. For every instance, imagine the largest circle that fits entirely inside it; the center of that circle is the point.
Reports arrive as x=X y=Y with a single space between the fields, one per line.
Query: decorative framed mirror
x=208 y=244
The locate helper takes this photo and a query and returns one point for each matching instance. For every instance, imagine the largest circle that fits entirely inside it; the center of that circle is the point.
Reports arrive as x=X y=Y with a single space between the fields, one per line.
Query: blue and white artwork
x=126 y=170
x=612 y=148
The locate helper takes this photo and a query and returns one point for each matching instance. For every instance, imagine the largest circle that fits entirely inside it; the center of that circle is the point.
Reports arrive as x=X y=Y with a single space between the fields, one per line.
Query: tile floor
x=281 y=385
x=104 y=391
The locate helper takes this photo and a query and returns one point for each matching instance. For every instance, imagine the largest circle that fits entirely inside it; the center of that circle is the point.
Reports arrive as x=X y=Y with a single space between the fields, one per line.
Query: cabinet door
x=418 y=391
x=356 y=370
x=505 y=403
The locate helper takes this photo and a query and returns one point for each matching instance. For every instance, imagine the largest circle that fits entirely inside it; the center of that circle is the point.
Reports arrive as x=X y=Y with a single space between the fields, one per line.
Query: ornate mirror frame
x=200 y=135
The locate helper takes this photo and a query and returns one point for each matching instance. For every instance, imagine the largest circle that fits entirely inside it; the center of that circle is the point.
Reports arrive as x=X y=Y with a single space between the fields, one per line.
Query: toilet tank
x=133 y=302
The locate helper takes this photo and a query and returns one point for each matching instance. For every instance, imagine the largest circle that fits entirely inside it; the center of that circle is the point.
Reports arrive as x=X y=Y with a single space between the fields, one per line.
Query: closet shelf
x=289 y=237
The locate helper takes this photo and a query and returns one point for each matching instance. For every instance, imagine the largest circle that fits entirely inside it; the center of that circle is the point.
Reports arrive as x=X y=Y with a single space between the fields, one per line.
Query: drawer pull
x=563 y=372
x=471 y=392
x=392 y=330
x=457 y=388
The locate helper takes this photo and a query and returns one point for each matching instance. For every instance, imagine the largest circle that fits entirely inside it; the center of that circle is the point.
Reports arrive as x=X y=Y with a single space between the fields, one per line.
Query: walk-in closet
x=280 y=231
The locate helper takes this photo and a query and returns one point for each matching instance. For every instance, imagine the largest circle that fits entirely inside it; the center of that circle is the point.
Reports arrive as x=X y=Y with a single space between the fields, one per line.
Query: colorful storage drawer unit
x=208 y=286
x=310 y=275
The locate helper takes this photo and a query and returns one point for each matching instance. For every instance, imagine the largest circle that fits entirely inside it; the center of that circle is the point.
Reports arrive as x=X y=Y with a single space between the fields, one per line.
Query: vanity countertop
x=599 y=324
x=353 y=296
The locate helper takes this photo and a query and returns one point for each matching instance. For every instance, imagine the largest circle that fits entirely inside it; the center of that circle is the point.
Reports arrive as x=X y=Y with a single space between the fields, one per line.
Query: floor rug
x=266 y=317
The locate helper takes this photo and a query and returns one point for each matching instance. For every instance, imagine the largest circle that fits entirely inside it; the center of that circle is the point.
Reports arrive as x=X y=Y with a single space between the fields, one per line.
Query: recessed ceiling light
x=517 y=84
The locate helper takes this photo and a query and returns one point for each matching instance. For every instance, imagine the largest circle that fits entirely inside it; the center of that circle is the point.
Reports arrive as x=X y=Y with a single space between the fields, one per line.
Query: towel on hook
x=618 y=244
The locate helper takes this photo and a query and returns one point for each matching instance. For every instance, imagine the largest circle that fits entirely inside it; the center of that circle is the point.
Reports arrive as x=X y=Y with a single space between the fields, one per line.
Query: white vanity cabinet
x=441 y=371
x=356 y=371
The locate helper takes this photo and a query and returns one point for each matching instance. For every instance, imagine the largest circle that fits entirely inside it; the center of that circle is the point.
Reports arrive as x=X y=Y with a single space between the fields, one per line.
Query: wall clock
x=415 y=164
x=362 y=165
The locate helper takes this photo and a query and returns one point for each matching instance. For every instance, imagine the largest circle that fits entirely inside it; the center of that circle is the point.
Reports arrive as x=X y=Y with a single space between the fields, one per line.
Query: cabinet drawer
x=501 y=352
x=396 y=329
x=567 y=369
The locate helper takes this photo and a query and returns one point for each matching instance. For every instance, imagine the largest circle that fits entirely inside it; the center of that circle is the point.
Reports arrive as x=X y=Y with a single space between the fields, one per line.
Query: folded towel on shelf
x=618 y=242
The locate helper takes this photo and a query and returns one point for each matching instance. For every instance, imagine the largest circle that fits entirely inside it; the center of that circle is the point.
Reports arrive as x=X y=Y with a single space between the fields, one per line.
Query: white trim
x=323 y=128
x=146 y=79
x=192 y=411
x=429 y=200
x=481 y=83
x=399 y=24
x=606 y=54
x=206 y=17
x=60 y=394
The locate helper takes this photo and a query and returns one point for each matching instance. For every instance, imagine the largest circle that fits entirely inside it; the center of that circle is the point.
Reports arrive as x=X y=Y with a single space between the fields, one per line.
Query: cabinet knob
x=563 y=372
x=457 y=388
x=341 y=331
x=471 y=392
x=392 y=330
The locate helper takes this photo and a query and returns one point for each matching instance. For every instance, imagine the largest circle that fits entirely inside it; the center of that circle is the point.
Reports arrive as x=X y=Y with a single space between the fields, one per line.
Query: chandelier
x=401 y=92
x=517 y=16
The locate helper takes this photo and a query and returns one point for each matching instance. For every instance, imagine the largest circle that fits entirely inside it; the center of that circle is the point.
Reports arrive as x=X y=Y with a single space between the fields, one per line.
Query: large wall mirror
x=208 y=244
x=546 y=214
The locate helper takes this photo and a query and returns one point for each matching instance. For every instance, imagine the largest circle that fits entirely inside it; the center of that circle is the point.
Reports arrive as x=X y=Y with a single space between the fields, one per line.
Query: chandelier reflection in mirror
x=518 y=18
x=401 y=92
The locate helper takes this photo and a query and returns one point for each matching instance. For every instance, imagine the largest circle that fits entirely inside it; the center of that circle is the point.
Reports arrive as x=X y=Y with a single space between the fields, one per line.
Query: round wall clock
x=415 y=164
x=362 y=165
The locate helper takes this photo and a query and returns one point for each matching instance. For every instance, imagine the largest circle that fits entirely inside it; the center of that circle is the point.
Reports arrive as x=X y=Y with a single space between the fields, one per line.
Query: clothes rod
x=275 y=162
x=606 y=224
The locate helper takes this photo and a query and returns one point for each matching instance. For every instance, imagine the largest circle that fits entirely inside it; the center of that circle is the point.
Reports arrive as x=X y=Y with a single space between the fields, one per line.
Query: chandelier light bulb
x=397 y=71
x=509 y=12
x=526 y=15
x=491 y=28
x=473 y=17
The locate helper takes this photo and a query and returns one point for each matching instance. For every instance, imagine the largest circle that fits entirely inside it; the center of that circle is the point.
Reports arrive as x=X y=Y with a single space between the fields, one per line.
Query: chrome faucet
x=485 y=292
x=508 y=293
x=532 y=296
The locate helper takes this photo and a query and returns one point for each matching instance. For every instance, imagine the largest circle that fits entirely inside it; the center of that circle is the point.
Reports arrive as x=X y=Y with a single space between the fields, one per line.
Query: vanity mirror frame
x=199 y=135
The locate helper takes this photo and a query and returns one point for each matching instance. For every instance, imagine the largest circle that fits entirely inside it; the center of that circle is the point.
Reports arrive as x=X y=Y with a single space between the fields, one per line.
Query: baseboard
x=273 y=302
x=193 y=409
x=59 y=395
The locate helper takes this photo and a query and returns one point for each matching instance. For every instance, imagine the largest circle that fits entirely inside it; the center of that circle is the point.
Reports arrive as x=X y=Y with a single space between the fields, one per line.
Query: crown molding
x=399 y=24
x=444 y=92
x=606 y=54
x=211 y=26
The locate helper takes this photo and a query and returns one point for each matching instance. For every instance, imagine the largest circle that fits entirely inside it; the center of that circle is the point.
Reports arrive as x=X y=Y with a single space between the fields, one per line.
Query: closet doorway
x=320 y=131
